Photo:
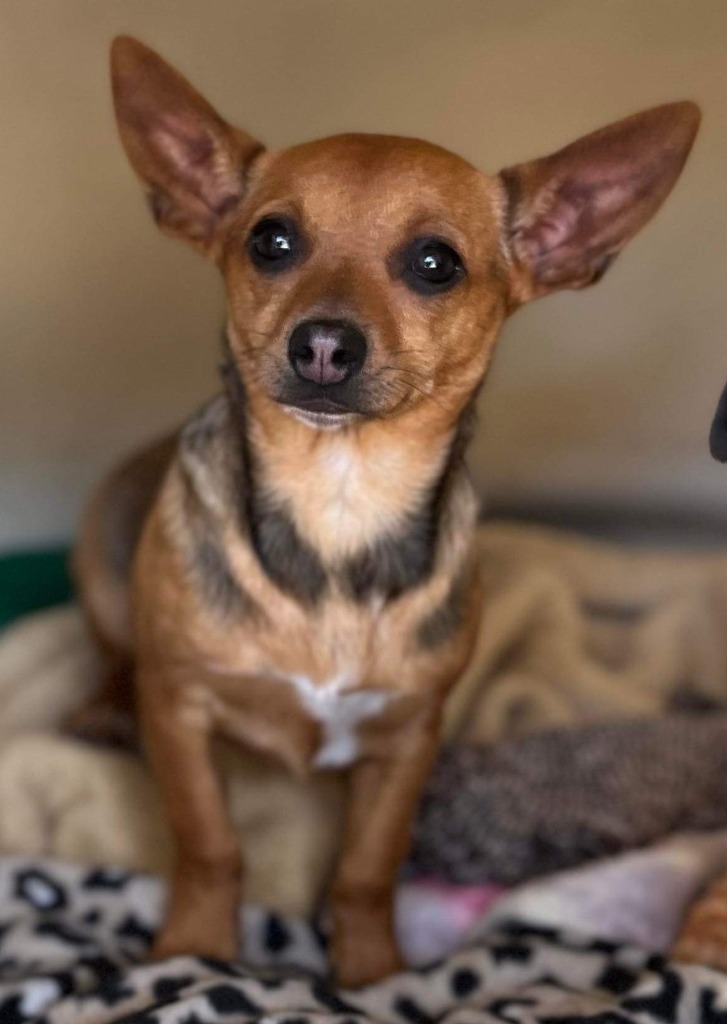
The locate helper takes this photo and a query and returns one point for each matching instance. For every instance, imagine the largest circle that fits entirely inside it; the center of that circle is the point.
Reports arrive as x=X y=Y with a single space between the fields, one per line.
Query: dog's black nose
x=327 y=351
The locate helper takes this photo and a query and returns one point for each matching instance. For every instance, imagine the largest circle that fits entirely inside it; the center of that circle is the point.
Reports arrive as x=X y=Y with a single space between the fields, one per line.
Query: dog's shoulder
x=208 y=456
x=204 y=436
x=199 y=506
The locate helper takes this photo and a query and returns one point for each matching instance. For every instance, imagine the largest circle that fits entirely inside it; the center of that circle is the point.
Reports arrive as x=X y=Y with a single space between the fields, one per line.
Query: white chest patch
x=339 y=713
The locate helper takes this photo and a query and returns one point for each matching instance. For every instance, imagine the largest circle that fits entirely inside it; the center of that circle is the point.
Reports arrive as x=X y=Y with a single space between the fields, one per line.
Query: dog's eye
x=273 y=244
x=432 y=266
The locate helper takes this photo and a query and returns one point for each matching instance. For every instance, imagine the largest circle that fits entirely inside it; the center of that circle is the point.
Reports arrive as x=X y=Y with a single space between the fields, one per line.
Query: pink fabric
x=434 y=916
x=639 y=897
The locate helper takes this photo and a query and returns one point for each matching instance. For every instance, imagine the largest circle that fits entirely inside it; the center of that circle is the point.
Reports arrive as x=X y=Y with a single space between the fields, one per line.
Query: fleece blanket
x=71 y=941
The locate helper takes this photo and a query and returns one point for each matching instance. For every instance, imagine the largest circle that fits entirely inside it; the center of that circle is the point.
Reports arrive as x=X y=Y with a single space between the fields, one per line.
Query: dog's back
x=108 y=538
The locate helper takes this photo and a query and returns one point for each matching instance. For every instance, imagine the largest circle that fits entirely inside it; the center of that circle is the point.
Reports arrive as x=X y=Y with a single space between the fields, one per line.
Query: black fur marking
x=205 y=552
x=218 y=586
x=291 y=563
x=405 y=560
x=397 y=563
x=443 y=623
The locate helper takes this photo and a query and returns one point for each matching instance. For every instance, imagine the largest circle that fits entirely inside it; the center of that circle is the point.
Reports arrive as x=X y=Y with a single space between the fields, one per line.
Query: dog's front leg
x=385 y=792
x=202 y=916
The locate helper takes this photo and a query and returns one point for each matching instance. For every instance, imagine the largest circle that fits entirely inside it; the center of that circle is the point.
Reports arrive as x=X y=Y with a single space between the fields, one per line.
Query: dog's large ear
x=192 y=163
x=570 y=214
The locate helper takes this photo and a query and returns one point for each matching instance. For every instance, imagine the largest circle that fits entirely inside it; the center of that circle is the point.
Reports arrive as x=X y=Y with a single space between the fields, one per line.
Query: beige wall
x=109 y=332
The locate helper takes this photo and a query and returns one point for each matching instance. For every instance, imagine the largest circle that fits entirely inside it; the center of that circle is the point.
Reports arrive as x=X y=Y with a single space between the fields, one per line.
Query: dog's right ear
x=192 y=163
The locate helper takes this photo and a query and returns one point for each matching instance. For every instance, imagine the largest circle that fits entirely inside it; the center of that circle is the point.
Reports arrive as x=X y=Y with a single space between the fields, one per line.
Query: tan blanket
x=572 y=631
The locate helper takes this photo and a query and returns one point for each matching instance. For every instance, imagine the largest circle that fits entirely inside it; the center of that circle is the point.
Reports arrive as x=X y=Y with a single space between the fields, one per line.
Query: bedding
x=590 y=656
x=71 y=939
x=524 y=807
x=575 y=634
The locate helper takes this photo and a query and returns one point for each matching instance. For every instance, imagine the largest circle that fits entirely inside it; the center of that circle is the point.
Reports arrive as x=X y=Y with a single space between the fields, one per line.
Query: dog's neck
x=349 y=487
x=346 y=494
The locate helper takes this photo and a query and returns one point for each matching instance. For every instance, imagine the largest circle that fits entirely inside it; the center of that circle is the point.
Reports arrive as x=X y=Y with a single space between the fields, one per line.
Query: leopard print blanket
x=72 y=941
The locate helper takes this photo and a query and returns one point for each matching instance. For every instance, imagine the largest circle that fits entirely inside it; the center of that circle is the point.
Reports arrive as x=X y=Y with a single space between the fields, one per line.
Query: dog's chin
x=322 y=420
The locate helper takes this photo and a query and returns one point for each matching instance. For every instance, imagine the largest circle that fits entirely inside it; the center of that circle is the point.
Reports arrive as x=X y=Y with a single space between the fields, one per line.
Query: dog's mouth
x=327 y=407
x=321 y=412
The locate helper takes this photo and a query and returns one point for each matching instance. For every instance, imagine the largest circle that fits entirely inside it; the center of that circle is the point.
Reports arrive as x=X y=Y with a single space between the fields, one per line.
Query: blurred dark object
x=718 y=433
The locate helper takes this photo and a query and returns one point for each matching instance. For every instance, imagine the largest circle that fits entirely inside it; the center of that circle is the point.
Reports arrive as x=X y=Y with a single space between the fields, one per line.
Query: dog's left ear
x=570 y=214
x=191 y=162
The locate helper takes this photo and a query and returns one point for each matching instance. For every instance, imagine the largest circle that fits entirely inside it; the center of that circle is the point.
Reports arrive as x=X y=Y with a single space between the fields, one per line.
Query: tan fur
x=703 y=936
x=225 y=643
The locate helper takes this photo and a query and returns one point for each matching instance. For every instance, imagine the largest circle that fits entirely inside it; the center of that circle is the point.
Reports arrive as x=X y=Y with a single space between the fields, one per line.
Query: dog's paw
x=703 y=938
x=172 y=942
x=364 y=962
x=363 y=949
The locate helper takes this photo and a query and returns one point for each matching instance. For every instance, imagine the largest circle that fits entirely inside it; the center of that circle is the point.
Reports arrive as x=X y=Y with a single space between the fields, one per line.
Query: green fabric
x=30 y=580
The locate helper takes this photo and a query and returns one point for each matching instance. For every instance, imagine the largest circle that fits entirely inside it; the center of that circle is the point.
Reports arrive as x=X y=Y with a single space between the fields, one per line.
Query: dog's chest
x=339 y=711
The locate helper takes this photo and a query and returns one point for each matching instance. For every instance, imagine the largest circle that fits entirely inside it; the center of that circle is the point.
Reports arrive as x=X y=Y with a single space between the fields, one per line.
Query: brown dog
x=304 y=581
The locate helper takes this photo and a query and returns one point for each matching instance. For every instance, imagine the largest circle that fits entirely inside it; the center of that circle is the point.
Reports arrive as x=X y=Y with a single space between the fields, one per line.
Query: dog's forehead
x=361 y=155
x=393 y=175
